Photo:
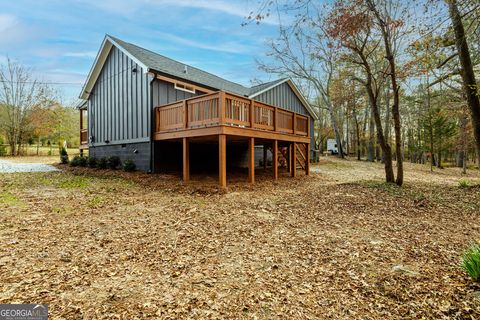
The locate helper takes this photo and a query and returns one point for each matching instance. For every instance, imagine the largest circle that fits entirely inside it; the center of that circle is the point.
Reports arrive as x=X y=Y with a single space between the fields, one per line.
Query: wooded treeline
x=391 y=80
x=30 y=113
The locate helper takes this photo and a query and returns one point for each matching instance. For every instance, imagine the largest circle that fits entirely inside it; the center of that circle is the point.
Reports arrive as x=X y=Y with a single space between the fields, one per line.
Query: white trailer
x=332 y=146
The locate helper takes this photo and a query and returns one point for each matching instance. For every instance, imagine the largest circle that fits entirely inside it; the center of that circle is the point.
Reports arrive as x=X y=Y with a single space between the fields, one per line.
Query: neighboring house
x=160 y=113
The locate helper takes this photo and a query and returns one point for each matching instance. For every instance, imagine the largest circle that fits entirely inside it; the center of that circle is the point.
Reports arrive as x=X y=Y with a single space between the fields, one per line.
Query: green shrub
x=113 y=162
x=75 y=162
x=92 y=162
x=83 y=161
x=102 y=163
x=471 y=261
x=64 y=159
x=63 y=156
x=129 y=165
x=3 y=149
x=464 y=184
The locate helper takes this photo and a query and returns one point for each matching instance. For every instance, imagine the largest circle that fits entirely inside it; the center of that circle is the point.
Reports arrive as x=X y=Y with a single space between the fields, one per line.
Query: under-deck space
x=219 y=131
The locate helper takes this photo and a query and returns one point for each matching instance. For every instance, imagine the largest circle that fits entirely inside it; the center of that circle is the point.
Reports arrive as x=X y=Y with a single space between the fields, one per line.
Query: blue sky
x=60 y=38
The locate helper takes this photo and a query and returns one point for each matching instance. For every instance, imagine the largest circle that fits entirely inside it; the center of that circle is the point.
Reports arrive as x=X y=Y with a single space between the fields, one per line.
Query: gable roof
x=151 y=61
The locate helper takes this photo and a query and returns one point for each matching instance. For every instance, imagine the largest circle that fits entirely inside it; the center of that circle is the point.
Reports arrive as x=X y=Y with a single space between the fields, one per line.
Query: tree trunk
x=371 y=139
x=348 y=132
x=335 y=130
x=12 y=147
x=357 y=130
x=387 y=150
x=467 y=73
x=463 y=138
x=395 y=88
x=387 y=113
x=439 y=163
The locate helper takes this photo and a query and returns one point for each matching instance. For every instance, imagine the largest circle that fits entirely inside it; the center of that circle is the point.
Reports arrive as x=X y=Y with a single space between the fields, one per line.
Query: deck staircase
x=301 y=151
x=301 y=157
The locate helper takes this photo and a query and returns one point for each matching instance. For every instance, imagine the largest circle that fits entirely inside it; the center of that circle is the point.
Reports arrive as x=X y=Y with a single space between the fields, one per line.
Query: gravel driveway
x=10 y=167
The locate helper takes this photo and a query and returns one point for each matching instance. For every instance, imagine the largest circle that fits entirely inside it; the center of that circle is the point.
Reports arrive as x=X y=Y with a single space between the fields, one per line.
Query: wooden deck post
x=265 y=157
x=275 y=117
x=222 y=160
x=251 y=113
x=307 y=161
x=251 y=160
x=294 y=160
x=185 y=114
x=294 y=123
x=81 y=128
x=81 y=120
x=289 y=160
x=186 y=159
x=222 y=107
x=275 y=159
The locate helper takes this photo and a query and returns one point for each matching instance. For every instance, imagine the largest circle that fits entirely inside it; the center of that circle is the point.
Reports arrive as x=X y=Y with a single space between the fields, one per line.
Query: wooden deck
x=225 y=113
x=222 y=115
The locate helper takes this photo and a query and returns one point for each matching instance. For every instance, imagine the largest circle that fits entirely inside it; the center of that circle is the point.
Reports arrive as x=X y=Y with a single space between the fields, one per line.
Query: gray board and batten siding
x=164 y=92
x=119 y=104
x=119 y=115
x=283 y=96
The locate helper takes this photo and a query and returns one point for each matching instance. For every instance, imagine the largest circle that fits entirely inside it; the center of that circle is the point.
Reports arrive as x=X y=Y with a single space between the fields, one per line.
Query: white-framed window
x=185 y=87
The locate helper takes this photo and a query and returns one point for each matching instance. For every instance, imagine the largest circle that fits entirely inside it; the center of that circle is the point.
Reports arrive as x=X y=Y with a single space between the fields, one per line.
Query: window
x=184 y=87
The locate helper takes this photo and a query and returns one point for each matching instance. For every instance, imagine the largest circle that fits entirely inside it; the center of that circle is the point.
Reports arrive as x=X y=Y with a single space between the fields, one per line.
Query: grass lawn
x=30 y=151
x=338 y=244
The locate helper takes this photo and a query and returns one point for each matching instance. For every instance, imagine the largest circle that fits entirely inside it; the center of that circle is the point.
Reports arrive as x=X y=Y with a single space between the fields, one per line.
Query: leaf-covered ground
x=336 y=245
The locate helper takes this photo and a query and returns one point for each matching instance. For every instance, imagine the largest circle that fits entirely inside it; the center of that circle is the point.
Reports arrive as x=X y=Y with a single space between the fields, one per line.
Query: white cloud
x=238 y=8
x=228 y=46
x=7 y=22
x=121 y=7
x=235 y=8
x=81 y=54
x=13 y=31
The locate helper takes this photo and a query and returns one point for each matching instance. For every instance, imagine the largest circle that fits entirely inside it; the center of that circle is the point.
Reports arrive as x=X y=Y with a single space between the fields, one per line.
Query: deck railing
x=221 y=108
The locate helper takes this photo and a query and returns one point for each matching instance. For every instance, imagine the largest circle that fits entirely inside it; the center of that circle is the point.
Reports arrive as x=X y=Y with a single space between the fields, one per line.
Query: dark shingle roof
x=175 y=68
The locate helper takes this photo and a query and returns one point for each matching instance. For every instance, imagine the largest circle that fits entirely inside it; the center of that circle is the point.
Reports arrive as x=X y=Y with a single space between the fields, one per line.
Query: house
x=161 y=113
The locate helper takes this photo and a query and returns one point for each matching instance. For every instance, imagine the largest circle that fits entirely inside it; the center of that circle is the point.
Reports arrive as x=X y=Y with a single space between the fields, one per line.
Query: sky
x=59 y=39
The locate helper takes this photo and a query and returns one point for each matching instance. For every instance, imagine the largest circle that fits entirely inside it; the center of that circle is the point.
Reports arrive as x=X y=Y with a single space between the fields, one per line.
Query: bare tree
x=303 y=52
x=468 y=76
x=386 y=13
x=19 y=92
x=352 y=27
